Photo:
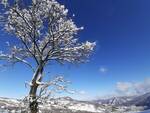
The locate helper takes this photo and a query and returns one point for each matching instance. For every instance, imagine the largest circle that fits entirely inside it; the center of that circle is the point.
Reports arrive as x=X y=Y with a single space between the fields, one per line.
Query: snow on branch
x=13 y=58
x=56 y=85
x=47 y=89
x=4 y=2
x=44 y=32
x=47 y=33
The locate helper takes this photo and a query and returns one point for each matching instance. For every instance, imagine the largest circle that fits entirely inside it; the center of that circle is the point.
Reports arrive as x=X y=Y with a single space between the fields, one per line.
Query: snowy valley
x=134 y=104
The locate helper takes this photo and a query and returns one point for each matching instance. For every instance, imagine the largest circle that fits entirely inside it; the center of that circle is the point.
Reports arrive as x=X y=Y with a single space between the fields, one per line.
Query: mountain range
x=141 y=100
x=124 y=104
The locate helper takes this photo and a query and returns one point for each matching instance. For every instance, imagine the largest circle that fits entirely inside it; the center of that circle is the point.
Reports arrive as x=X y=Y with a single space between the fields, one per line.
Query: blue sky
x=121 y=29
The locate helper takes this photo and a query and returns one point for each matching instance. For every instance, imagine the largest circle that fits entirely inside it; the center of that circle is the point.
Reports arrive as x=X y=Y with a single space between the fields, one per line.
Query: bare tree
x=46 y=34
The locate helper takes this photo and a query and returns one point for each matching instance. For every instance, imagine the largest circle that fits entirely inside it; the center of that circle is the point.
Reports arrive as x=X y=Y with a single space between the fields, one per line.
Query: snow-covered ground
x=147 y=111
x=68 y=105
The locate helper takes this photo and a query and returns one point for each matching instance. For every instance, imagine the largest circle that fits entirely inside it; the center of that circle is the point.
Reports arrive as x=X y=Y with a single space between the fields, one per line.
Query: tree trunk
x=33 y=104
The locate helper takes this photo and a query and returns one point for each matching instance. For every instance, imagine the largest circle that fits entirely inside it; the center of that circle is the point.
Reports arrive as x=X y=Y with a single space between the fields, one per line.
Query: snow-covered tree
x=46 y=33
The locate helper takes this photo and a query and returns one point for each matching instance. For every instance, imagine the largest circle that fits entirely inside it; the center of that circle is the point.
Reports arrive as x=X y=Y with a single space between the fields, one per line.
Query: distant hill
x=142 y=100
x=114 y=100
x=68 y=105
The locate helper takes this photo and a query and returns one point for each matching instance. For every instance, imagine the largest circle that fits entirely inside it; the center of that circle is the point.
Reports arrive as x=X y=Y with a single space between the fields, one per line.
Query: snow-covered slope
x=6 y=102
x=69 y=105
x=143 y=100
x=65 y=103
x=115 y=100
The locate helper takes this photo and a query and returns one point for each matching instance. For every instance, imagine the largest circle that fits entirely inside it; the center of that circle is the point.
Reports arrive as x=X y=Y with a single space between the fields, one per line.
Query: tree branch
x=15 y=59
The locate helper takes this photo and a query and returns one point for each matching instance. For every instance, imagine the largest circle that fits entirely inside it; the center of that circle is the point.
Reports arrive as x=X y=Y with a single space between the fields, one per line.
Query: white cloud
x=82 y=92
x=133 y=88
x=82 y=95
x=103 y=69
x=124 y=86
x=142 y=87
